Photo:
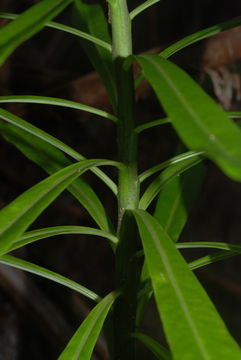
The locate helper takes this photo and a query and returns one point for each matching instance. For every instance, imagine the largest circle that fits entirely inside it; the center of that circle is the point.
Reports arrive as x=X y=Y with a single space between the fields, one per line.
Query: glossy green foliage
x=28 y=24
x=91 y=19
x=47 y=152
x=145 y=5
x=82 y=343
x=67 y=29
x=16 y=217
x=47 y=274
x=176 y=169
x=157 y=349
x=204 y=128
x=199 y=35
x=35 y=235
x=30 y=99
x=191 y=323
x=175 y=201
x=192 y=326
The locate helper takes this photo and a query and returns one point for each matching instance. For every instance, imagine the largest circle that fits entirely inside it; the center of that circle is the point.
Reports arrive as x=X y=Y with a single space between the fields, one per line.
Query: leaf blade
x=175 y=200
x=46 y=152
x=47 y=274
x=28 y=24
x=91 y=19
x=165 y=177
x=192 y=325
x=35 y=235
x=157 y=349
x=65 y=28
x=203 y=128
x=20 y=213
x=46 y=100
x=82 y=343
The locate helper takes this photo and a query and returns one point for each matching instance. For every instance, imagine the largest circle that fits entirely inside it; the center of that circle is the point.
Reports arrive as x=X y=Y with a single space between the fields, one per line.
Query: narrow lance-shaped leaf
x=35 y=235
x=199 y=35
x=47 y=274
x=92 y=19
x=191 y=323
x=27 y=24
x=66 y=29
x=208 y=245
x=193 y=38
x=16 y=217
x=49 y=139
x=145 y=5
x=82 y=343
x=160 y=352
x=212 y=258
x=175 y=200
x=165 y=177
x=199 y=121
x=42 y=150
x=46 y=100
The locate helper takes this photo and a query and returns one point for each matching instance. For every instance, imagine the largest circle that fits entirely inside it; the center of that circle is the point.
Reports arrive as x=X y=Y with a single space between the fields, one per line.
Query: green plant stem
x=128 y=186
x=127 y=137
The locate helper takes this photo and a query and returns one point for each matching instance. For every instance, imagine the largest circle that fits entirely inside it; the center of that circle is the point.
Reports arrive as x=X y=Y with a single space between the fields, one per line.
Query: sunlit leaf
x=191 y=323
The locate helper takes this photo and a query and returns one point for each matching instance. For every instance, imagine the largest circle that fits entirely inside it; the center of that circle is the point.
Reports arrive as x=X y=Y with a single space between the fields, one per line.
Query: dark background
x=38 y=317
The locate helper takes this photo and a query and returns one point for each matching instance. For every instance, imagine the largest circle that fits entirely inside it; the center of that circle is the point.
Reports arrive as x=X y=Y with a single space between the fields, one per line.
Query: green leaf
x=91 y=19
x=193 y=328
x=51 y=159
x=175 y=201
x=82 y=343
x=144 y=294
x=28 y=24
x=212 y=258
x=166 y=176
x=199 y=121
x=200 y=35
x=42 y=135
x=32 y=236
x=65 y=28
x=157 y=349
x=31 y=99
x=151 y=124
x=47 y=274
x=16 y=217
x=209 y=244
x=145 y=5
x=179 y=159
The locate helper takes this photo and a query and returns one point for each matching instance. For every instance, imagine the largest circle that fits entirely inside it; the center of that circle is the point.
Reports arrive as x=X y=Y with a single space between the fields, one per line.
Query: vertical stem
x=128 y=187
x=127 y=138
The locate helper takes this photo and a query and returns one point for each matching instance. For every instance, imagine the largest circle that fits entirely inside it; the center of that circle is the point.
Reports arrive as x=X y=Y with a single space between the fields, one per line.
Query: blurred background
x=38 y=317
